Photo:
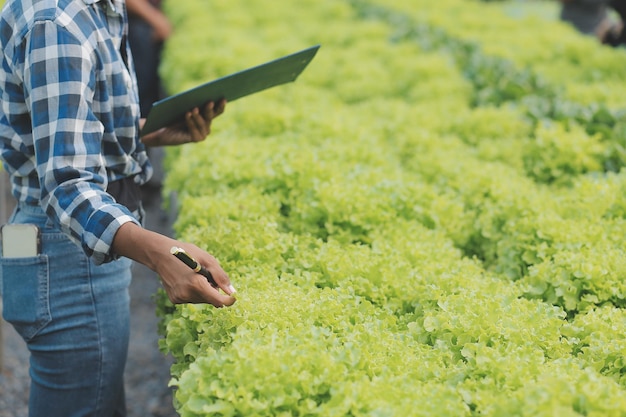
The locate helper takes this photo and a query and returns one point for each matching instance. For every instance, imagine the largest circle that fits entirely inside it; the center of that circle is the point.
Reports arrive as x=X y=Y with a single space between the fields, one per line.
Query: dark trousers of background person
x=147 y=58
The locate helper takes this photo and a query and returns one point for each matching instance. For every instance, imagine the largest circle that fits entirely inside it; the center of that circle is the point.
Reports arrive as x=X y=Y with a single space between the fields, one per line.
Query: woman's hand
x=195 y=128
x=181 y=283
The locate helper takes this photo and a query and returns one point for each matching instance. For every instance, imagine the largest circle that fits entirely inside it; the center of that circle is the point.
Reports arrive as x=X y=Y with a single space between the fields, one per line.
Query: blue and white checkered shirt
x=69 y=114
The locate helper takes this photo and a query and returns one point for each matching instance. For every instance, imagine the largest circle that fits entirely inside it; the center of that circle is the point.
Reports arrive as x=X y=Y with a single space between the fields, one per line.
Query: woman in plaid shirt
x=69 y=139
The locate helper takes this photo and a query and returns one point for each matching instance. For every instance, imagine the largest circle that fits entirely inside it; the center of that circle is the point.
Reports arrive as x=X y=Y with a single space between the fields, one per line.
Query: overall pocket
x=25 y=294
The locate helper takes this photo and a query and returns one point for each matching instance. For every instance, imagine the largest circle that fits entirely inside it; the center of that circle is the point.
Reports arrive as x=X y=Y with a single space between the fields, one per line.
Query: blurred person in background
x=617 y=36
x=593 y=17
x=148 y=29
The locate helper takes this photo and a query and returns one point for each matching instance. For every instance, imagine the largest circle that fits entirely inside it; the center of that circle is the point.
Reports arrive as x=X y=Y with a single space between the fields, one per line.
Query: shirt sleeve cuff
x=101 y=228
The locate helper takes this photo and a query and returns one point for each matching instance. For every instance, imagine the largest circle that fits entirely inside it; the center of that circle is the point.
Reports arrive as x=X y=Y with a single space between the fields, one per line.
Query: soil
x=147 y=369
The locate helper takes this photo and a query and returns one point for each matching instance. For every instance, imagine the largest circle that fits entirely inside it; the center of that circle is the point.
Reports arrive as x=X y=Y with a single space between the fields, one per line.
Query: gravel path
x=147 y=369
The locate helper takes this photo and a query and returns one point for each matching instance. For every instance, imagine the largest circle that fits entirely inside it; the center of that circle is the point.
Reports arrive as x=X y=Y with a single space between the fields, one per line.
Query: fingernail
x=232 y=289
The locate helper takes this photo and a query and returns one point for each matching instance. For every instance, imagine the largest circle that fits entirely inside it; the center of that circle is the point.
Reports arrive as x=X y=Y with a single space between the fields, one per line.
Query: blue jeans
x=74 y=317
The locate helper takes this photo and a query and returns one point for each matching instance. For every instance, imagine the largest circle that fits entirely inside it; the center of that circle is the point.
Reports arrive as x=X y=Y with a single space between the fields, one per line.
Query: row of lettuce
x=401 y=246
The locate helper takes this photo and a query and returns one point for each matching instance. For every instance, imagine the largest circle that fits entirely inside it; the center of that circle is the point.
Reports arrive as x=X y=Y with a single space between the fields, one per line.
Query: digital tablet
x=231 y=87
